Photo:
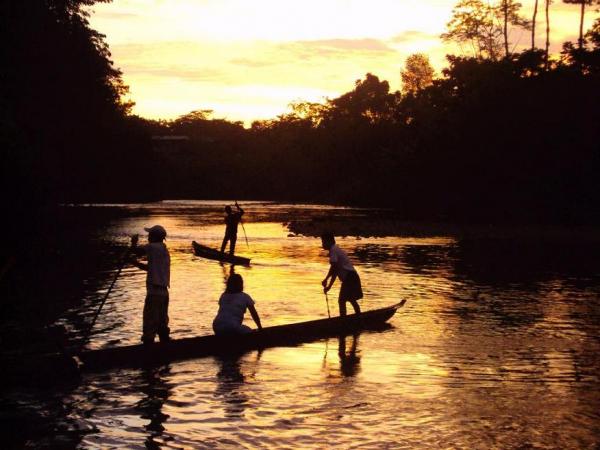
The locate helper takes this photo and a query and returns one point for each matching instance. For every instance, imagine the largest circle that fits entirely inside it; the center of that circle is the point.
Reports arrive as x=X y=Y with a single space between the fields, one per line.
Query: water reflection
x=230 y=385
x=347 y=365
x=498 y=262
x=349 y=360
x=151 y=383
x=373 y=253
x=498 y=341
x=424 y=259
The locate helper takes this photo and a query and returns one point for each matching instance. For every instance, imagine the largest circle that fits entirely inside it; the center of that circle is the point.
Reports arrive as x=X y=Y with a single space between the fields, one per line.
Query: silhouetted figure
x=232 y=219
x=158 y=268
x=342 y=268
x=232 y=307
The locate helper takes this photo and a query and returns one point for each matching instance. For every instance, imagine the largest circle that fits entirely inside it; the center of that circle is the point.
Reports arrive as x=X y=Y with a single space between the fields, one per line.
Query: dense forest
x=497 y=136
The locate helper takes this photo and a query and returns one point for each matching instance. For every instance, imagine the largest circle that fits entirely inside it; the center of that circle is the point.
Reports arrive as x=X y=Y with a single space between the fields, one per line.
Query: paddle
x=121 y=265
x=242 y=224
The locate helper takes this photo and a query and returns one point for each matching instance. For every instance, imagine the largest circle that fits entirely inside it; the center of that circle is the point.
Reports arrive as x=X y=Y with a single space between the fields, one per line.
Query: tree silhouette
x=370 y=101
x=583 y=4
x=64 y=110
x=533 y=23
x=508 y=10
x=547 y=48
x=417 y=74
x=593 y=35
x=494 y=137
x=474 y=22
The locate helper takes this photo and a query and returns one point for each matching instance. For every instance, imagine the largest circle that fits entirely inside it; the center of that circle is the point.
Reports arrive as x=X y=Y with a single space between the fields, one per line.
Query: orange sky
x=248 y=60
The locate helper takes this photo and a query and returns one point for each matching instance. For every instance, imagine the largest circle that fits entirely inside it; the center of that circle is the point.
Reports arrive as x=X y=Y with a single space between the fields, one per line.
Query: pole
x=242 y=224
x=327 y=301
x=121 y=265
x=244 y=230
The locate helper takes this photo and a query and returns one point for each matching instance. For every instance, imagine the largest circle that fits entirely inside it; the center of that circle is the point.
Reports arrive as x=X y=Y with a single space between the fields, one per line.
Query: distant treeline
x=495 y=137
x=490 y=140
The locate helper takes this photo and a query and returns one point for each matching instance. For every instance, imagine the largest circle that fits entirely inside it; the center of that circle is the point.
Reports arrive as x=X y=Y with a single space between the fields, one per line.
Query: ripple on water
x=493 y=349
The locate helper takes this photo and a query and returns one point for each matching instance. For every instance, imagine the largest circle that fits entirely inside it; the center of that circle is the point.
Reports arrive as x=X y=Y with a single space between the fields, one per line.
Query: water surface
x=496 y=347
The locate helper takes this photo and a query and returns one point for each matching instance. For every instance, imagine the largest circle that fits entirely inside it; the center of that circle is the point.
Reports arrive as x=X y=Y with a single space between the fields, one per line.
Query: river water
x=496 y=347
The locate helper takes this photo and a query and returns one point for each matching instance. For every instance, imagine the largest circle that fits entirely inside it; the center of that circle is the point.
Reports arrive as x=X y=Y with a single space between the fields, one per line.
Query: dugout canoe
x=281 y=335
x=210 y=253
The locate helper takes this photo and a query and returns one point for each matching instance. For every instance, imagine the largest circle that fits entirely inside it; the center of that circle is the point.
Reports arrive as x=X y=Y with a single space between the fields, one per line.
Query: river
x=496 y=347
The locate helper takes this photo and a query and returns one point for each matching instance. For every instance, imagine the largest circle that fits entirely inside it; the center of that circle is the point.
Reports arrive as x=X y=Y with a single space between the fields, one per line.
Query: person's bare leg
x=224 y=244
x=342 y=305
x=354 y=304
x=232 y=242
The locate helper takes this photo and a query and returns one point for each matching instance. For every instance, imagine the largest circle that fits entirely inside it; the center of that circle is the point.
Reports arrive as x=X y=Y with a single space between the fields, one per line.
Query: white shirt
x=339 y=259
x=159 y=265
x=232 y=308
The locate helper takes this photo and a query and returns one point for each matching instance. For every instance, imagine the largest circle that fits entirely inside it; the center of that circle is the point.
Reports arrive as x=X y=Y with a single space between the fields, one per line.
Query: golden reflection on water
x=471 y=361
x=284 y=279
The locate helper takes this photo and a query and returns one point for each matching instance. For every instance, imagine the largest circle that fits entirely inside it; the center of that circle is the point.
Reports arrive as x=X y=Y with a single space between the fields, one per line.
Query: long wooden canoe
x=281 y=335
x=210 y=253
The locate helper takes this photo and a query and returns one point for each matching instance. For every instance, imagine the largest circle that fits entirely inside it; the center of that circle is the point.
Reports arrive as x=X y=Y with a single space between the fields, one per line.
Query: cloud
x=252 y=63
x=192 y=74
x=266 y=55
x=323 y=64
x=411 y=36
x=339 y=48
x=373 y=45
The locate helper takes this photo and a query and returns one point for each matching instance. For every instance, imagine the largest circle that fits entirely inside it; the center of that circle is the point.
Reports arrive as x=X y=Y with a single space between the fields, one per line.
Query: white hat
x=158 y=231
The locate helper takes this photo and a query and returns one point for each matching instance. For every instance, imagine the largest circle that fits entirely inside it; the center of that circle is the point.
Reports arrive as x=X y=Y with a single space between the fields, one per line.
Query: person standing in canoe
x=341 y=267
x=158 y=268
x=232 y=307
x=232 y=219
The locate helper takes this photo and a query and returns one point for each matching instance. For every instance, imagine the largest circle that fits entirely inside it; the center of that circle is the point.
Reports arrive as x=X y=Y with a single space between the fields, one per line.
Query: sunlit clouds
x=249 y=60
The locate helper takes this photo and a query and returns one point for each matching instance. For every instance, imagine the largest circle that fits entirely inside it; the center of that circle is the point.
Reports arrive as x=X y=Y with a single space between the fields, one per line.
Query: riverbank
x=388 y=223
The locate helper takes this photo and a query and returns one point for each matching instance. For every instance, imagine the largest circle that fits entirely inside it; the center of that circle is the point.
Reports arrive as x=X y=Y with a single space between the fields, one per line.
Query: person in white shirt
x=341 y=267
x=158 y=268
x=232 y=306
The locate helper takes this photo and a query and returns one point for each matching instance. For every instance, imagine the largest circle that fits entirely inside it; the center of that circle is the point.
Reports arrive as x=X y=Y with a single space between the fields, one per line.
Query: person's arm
x=138 y=264
x=255 y=316
x=332 y=274
x=239 y=208
x=137 y=251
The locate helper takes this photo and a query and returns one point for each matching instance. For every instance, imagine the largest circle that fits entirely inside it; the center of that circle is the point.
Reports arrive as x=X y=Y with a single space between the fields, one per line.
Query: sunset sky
x=248 y=60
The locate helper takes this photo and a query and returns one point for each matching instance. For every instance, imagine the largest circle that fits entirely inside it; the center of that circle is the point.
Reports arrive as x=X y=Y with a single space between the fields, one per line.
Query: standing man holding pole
x=158 y=268
x=340 y=266
x=232 y=219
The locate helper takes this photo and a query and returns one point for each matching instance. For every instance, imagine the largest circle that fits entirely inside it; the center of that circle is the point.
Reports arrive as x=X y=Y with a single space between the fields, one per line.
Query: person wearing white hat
x=158 y=268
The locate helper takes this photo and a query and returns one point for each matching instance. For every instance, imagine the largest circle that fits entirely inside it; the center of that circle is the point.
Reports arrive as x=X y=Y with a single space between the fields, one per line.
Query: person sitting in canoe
x=232 y=306
x=341 y=267
x=232 y=219
x=158 y=268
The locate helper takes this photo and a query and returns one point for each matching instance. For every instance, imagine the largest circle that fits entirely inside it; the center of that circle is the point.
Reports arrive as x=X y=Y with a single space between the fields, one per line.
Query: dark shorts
x=351 y=288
